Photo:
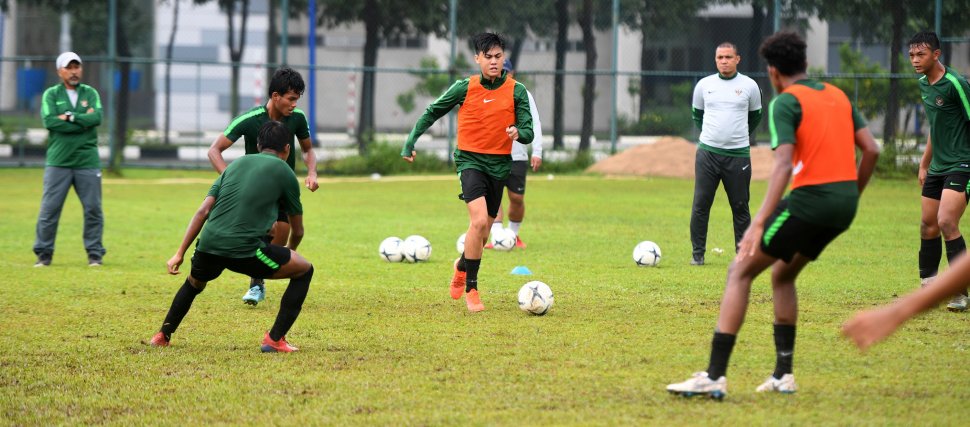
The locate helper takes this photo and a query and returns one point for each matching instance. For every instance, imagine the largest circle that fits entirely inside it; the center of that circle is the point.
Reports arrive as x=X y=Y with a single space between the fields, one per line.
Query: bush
x=660 y=121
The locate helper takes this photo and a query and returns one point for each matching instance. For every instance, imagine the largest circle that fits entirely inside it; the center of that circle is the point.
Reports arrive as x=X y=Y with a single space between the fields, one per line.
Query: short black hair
x=785 y=51
x=284 y=80
x=484 y=42
x=729 y=45
x=927 y=38
x=273 y=135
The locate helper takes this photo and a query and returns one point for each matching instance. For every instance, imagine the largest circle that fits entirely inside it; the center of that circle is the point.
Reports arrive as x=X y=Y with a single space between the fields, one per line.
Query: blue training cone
x=521 y=270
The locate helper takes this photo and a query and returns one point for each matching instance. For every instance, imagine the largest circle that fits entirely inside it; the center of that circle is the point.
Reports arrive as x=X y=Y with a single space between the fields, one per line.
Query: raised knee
x=197 y=284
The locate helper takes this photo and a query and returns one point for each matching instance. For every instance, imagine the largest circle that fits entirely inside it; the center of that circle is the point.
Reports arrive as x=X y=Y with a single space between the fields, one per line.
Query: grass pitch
x=384 y=344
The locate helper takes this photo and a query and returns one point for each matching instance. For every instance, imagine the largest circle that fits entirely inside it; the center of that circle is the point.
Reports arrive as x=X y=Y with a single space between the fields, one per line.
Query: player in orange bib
x=815 y=131
x=493 y=111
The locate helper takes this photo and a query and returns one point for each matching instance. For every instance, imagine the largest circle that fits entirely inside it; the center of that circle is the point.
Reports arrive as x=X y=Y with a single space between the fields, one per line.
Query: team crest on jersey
x=84 y=103
x=939 y=101
x=737 y=92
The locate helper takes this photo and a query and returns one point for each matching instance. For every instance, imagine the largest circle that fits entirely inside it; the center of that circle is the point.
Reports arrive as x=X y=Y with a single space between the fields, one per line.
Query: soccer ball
x=646 y=253
x=391 y=249
x=416 y=249
x=460 y=244
x=535 y=297
x=503 y=240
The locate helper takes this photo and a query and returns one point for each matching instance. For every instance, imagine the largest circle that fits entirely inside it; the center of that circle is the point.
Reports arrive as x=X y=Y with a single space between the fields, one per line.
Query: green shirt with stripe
x=72 y=145
x=833 y=204
x=248 y=124
x=248 y=195
x=496 y=165
x=948 y=110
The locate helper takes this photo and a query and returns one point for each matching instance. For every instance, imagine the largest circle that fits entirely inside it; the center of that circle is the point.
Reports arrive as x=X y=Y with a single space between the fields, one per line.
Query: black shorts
x=786 y=235
x=475 y=184
x=207 y=267
x=934 y=185
x=516 y=181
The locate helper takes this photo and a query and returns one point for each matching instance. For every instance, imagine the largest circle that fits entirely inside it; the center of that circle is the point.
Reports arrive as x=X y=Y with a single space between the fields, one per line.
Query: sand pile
x=671 y=157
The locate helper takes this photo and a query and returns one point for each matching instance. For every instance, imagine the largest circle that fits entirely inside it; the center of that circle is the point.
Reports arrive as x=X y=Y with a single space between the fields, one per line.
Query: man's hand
x=173 y=264
x=871 y=326
x=921 y=175
x=536 y=162
x=410 y=159
x=750 y=242
x=311 y=182
x=513 y=132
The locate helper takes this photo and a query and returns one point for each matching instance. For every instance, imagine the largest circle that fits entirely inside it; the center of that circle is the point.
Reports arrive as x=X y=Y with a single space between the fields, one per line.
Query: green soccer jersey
x=948 y=111
x=248 y=124
x=832 y=204
x=72 y=144
x=248 y=195
x=496 y=165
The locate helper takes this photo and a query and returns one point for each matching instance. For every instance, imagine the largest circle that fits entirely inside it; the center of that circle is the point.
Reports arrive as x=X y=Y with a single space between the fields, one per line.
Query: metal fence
x=643 y=72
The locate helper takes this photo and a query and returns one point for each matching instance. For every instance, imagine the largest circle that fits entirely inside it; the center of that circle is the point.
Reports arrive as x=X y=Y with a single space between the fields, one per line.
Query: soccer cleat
x=489 y=245
x=958 y=304
x=926 y=281
x=281 y=346
x=158 y=340
x=697 y=260
x=519 y=243
x=457 y=282
x=784 y=385
x=473 y=301
x=43 y=260
x=94 y=260
x=254 y=295
x=700 y=384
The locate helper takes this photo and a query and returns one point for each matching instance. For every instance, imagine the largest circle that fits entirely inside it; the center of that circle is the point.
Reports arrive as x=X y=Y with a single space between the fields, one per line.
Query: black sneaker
x=697 y=260
x=94 y=260
x=43 y=260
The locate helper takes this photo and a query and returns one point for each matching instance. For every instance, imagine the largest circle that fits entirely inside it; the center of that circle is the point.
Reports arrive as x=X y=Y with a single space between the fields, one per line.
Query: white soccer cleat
x=700 y=384
x=958 y=303
x=784 y=385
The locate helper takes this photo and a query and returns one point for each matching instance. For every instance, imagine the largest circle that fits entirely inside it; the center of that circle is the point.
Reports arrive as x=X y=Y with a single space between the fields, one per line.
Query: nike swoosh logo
x=745 y=167
x=710 y=91
x=487 y=100
x=955 y=184
x=784 y=353
x=60 y=102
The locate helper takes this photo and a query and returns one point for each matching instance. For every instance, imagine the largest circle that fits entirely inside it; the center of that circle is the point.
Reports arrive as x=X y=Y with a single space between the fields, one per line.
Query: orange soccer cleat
x=457 y=282
x=473 y=301
x=158 y=340
x=281 y=346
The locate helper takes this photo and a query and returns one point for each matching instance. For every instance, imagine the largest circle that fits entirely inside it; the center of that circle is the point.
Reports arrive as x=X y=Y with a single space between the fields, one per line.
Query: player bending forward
x=814 y=132
x=240 y=207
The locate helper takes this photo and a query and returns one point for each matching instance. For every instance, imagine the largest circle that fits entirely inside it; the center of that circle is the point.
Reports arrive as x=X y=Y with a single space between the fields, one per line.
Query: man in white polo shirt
x=727 y=108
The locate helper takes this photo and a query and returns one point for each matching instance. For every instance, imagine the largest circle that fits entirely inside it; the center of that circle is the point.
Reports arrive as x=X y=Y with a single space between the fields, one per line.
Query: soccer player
x=871 y=326
x=944 y=170
x=521 y=163
x=494 y=112
x=285 y=89
x=726 y=108
x=241 y=205
x=815 y=131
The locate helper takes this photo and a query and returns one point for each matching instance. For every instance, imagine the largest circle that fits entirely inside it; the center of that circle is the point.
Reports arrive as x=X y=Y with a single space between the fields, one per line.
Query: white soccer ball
x=416 y=249
x=460 y=244
x=535 y=297
x=646 y=253
x=392 y=249
x=503 y=239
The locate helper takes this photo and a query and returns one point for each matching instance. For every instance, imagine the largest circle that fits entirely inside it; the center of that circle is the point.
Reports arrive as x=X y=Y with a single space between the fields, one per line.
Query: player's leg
x=706 y=179
x=300 y=273
x=736 y=176
x=57 y=182
x=785 y=299
x=87 y=184
x=205 y=268
x=257 y=286
x=496 y=227
x=931 y=247
x=471 y=260
x=953 y=203
x=516 y=186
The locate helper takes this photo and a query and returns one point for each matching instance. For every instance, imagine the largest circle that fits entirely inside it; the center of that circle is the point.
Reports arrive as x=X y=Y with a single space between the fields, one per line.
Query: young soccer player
x=494 y=111
x=285 y=89
x=241 y=205
x=944 y=170
x=815 y=131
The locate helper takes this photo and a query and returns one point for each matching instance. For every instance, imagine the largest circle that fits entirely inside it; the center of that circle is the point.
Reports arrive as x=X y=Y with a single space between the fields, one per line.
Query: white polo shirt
x=726 y=103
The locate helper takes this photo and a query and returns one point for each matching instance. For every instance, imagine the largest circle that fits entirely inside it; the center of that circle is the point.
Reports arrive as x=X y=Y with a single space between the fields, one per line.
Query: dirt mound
x=671 y=157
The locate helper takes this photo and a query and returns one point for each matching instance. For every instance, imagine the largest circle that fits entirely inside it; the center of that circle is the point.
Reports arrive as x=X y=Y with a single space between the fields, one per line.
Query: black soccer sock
x=784 y=349
x=461 y=263
x=290 y=305
x=253 y=281
x=930 y=254
x=180 y=307
x=954 y=249
x=471 y=273
x=721 y=347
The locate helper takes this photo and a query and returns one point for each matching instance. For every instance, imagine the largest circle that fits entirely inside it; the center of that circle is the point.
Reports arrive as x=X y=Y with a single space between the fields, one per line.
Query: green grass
x=384 y=344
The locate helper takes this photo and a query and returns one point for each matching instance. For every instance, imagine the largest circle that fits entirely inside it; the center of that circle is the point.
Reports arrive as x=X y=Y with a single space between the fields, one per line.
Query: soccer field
x=384 y=344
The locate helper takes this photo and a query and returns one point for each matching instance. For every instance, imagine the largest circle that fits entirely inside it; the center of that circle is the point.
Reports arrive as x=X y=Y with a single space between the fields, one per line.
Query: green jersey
x=496 y=165
x=832 y=204
x=948 y=111
x=72 y=144
x=248 y=124
x=248 y=195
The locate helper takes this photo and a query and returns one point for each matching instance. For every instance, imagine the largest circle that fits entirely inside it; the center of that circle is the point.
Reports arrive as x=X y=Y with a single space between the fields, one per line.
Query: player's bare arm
x=296 y=231
x=924 y=162
x=215 y=152
x=870 y=152
x=195 y=226
x=780 y=174
x=310 y=159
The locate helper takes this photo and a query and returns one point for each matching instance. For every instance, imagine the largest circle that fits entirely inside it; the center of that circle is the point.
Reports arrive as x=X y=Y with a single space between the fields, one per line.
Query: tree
x=168 y=70
x=236 y=43
x=562 y=45
x=382 y=19
x=585 y=17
